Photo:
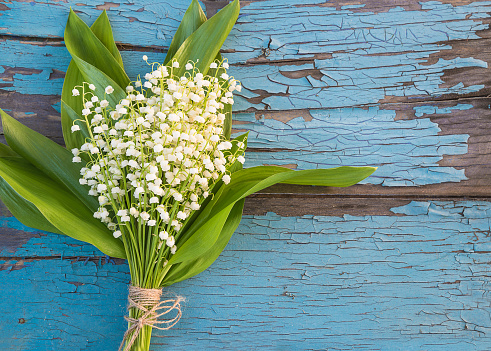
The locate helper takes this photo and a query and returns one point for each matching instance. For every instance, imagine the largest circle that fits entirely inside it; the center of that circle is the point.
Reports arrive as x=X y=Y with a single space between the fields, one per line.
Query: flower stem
x=142 y=341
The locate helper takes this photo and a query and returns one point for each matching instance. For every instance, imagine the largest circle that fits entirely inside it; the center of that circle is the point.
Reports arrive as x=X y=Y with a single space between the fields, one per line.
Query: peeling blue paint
x=57 y=106
x=352 y=79
x=415 y=281
x=346 y=32
x=419 y=111
x=154 y=23
x=38 y=63
x=355 y=75
x=343 y=31
x=407 y=151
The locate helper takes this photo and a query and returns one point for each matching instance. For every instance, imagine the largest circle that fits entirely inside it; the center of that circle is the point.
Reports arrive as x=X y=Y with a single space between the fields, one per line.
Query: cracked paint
x=407 y=152
x=371 y=57
x=331 y=137
x=419 y=280
x=151 y=21
x=351 y=80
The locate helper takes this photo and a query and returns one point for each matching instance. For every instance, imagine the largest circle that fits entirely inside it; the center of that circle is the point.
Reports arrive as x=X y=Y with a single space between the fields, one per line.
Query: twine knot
x=148 y=302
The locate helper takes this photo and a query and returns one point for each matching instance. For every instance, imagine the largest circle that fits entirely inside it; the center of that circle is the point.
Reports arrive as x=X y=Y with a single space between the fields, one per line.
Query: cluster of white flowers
x=155 y=156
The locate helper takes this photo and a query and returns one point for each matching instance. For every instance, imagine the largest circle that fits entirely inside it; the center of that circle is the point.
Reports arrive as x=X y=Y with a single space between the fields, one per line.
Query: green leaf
x=251 y=180
x=75 y=119
x=6 y=151
x=73 y=78
x=204 y=44
x=202 y=239
x=58 y=205
x=102 y=30
x=188 y=269
x=22 y=209
x=248 y=181
x=83 y=44
x=101 y=81
x=52 y=159
x=192 y=20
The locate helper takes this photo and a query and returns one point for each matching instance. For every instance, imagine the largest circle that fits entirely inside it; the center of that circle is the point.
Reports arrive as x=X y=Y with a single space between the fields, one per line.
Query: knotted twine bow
x=148 y=302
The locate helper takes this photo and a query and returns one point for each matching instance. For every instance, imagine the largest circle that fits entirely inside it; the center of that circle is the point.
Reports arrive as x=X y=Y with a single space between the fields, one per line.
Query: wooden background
x=401 y=262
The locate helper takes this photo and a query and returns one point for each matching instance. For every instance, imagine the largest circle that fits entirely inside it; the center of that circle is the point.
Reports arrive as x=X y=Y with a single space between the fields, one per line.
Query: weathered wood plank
x=14 y=236
x=414 y=143
x=265 y=28
x=356 y=58
x=417 y=279
x=391 y=55
x=390 y=72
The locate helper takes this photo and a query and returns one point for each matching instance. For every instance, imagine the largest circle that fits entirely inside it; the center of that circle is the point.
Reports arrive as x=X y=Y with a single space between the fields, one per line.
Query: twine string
x=148 y=302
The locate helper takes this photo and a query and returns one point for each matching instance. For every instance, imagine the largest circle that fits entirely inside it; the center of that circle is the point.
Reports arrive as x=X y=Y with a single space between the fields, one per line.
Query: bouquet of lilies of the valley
x=149 y=172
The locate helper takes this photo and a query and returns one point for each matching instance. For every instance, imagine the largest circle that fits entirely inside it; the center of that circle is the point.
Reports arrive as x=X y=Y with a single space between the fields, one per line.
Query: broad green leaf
x=204 y=44
x=52 y=159
x=202 y=239
x=251 y=180
x=6 y=151
x=22 y=209
x=58 y=205
x=192 y=19
x=101 y=81
x=188 y=269
x=102 y=30
x=82 y=43
x=248 y=181
x=73 y=78
x=75 y=119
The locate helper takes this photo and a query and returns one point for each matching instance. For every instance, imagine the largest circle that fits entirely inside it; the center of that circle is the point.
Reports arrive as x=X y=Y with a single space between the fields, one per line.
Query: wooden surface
x=400 y=262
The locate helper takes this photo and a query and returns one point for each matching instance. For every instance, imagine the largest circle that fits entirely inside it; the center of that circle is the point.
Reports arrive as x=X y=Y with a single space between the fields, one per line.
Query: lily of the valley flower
x=155 y=156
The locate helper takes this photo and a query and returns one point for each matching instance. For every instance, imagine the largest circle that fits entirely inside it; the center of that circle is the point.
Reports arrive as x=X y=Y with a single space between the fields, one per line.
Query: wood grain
x=416 y=279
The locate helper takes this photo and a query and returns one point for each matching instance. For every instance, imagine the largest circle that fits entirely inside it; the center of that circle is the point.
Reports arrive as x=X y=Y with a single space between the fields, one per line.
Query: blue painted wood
x=325 y=83
x=273 y=28
x=354 y=74
x=353 y=136
x=416 y=280
x=347 y=36
x=330 y=137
